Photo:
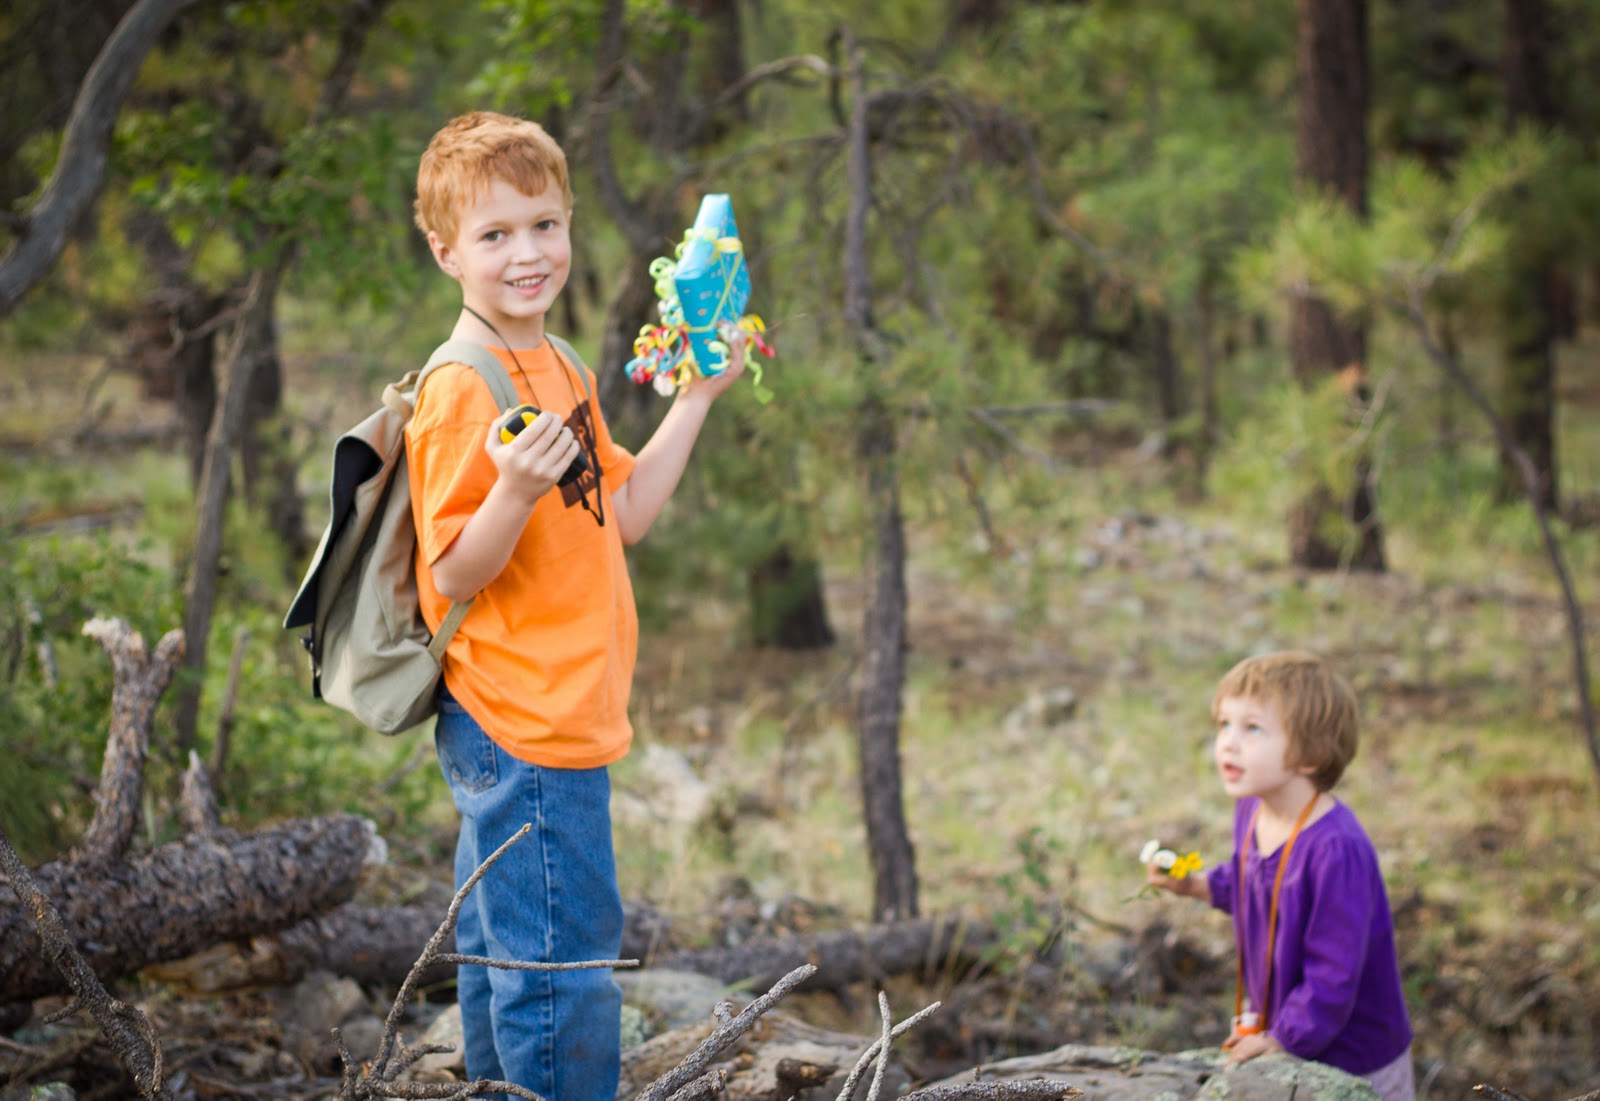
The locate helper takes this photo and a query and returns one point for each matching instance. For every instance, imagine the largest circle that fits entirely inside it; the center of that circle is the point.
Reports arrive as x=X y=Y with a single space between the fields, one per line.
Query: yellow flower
x=1189 y=862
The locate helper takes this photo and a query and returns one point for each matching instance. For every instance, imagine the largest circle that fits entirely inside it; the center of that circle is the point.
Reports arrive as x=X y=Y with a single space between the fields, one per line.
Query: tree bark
x=177 y=899
x=80 y=170
x=787 y=609
x=884 y=628
x=1331 y=151
x=139 y=679
x=129 y=1032
x=226 y=424
x=925 y=947
x=883 y=680
x=1533 y=281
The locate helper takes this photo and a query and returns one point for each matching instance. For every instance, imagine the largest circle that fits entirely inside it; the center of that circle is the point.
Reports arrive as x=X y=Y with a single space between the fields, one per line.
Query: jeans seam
x=551 y=989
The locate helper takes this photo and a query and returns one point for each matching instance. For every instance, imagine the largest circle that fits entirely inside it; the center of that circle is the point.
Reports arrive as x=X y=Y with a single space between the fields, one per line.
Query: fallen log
x=374 y=945
x=377 y=945
x=928 y=946
x=177 y=899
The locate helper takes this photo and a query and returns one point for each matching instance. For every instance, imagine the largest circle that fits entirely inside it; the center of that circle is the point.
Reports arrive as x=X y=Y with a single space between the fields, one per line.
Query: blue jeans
x=551 y=897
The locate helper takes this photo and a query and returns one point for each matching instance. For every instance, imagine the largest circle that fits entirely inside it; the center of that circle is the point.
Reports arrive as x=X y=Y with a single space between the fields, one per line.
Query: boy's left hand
x=1241 y=1049
x=711 y=387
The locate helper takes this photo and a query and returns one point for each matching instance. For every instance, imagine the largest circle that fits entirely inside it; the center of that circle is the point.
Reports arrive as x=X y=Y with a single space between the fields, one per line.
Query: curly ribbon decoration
x=662 y=355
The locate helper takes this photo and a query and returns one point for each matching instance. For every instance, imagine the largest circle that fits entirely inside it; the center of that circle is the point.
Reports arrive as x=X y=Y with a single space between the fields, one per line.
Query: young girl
x=1318 y=976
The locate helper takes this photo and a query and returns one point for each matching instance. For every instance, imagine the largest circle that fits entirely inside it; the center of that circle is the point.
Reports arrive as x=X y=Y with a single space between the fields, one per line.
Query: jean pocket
x=465 y=751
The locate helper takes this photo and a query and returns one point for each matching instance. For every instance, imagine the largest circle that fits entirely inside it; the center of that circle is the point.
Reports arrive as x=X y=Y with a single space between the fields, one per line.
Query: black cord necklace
x=583 y=443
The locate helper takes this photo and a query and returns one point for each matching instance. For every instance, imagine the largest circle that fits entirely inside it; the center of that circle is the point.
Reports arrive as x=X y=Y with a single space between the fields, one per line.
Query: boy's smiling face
x=512 y=255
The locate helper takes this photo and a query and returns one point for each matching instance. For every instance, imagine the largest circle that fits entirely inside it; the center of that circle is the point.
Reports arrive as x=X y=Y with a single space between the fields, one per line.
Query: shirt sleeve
x=1336 y=937
x=450 y=472
x=1220 y=880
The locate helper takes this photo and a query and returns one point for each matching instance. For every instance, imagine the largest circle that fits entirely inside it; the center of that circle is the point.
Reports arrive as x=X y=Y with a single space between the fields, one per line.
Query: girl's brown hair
x=1317 y=705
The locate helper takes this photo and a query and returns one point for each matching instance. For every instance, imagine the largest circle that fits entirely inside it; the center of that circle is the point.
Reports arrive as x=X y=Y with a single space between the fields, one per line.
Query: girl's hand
x=534 y=460
x=1242 y=1049
x=1189 y=886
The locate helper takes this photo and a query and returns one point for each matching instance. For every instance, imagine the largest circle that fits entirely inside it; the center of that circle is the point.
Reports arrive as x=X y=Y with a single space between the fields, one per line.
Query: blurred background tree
x=1083 y=214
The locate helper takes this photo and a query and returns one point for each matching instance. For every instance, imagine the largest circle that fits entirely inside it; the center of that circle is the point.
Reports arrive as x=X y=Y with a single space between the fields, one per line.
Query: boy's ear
x=443 y=255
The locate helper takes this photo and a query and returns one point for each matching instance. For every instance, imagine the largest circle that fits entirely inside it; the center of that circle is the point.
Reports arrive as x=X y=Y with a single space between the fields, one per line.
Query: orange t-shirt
x=544 y=659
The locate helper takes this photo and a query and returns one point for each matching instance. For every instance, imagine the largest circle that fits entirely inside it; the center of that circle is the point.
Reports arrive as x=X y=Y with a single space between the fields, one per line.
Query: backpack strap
x=493 y=372
x=480 y=359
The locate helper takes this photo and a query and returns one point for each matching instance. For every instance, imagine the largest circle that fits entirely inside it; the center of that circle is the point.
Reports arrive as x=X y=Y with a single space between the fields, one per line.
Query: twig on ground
x=882 y=1044
x=1495 y=1094
x=697 y=1060
x=883 y=1047
x=129 y=1031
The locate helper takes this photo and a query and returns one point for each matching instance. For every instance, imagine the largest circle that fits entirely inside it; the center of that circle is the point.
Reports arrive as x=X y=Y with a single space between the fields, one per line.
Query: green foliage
x=56 y=682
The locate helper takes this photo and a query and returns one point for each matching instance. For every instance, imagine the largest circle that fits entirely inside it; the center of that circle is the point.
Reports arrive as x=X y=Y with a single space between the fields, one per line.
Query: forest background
x=1115 y=342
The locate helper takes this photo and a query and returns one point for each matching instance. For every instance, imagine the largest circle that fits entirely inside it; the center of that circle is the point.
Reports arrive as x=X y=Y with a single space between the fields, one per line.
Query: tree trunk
x=1168 y=376
x=1331 y=155
x=175 y=900
x=226 y=425
x=884 y=629
x=882 y=680
x=1527 y=385
x=265 y=447
x=630 y=410
x=787 y=609
x=80 y=167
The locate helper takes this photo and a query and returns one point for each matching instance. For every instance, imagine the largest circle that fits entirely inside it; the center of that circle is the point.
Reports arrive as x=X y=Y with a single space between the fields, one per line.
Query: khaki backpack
x=371 y=652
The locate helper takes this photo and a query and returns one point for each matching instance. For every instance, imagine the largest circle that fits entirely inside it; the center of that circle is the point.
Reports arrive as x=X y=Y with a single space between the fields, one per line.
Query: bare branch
x=197 y=800
x=139 y=680
x=80 y=170
x=1531 y=488
x=882 y=1045
x=695 y=1063
x=1494 y=1094
x=129 y=1032
x=783 y=69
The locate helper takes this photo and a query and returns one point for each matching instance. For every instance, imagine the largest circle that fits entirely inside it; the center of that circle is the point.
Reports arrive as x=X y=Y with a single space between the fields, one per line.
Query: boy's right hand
x=534 y=460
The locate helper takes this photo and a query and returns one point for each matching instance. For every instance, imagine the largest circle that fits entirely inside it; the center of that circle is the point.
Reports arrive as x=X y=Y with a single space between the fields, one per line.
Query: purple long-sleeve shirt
x=1336 y=995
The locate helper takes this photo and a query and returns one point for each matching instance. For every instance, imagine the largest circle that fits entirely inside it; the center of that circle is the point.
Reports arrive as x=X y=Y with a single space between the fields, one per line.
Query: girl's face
x=512 y=255
x=1252 y=751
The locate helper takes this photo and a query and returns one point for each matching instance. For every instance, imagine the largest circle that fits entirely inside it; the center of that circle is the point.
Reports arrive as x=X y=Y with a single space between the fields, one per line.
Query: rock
x=45 y=1091
x=634 y=1031
x=1129 y=1074
x=663 y=792
x=320 y=1002
x=1042 y=712
x=443 y=1066
x=1281 y=1077
x=1109 y=1073
x=669 y=999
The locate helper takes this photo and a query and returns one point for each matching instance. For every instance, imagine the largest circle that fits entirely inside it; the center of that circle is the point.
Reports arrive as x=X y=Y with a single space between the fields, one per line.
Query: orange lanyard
x=1272 y=913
